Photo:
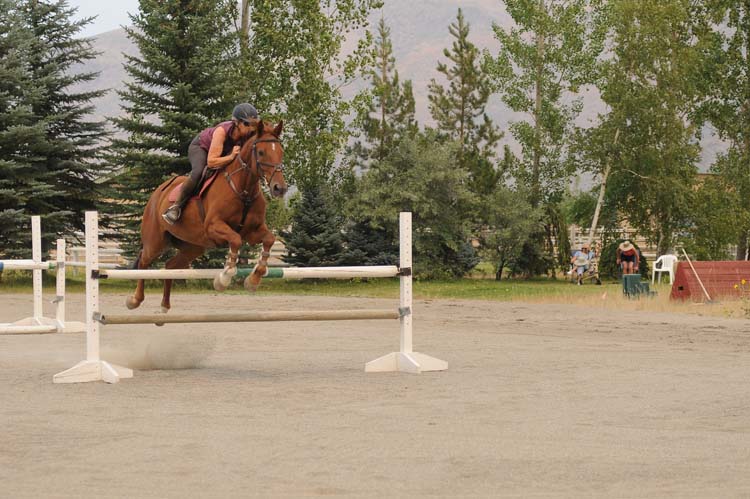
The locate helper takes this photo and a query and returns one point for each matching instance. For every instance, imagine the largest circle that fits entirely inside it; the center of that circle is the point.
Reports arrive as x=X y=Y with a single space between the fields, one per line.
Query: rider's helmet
x=245 y=112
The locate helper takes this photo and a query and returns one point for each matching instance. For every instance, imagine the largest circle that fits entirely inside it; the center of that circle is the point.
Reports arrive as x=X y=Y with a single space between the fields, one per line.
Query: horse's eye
x=261 y=153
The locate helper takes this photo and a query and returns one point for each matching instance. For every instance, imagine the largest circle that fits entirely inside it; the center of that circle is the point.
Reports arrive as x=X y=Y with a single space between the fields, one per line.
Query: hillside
x=419 y=31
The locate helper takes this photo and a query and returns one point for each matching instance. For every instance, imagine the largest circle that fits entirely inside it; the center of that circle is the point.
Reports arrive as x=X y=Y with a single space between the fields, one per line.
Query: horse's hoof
x=164 y=310
x=132 y=303
x=218 y=285
x=250 y=285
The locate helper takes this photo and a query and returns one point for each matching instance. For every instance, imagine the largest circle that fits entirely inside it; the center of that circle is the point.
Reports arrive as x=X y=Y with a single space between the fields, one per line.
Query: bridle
x=245 y=196
x=248 y=198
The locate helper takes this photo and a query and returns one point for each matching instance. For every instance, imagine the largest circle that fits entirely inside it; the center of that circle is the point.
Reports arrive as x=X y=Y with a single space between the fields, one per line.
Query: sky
x=111 y=14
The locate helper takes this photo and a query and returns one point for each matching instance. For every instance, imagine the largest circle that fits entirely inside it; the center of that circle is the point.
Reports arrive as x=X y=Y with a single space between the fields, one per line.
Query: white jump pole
x=93 y=368
x=61 y=265
x=38 y=323
x=405 y=359
x=36 y=255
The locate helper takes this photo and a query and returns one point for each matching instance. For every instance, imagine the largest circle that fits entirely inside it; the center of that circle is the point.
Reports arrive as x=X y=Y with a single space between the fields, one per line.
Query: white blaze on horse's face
x=270 y=159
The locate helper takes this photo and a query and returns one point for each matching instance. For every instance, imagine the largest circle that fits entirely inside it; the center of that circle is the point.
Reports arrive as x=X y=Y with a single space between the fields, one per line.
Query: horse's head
x=268 y=156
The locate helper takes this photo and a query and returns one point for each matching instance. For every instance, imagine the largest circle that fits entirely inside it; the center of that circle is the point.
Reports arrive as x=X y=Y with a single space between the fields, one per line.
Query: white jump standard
x=95 y=369
x=38 y=323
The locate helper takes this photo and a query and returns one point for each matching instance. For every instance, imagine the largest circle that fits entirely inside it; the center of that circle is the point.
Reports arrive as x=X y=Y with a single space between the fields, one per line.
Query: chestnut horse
x=233 y=210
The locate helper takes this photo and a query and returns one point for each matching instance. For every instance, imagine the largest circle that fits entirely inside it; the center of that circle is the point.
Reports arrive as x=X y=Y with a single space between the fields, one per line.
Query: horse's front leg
x=265 y=236
x=221 y=234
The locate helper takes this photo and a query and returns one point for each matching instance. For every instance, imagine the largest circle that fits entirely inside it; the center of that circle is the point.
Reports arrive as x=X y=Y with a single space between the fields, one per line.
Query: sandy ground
x=539 y=401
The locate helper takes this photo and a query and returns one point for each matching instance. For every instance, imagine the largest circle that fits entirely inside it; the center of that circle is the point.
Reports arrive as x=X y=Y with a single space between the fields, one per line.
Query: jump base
x=411 y=362
x=42 y=325
x=93 y=370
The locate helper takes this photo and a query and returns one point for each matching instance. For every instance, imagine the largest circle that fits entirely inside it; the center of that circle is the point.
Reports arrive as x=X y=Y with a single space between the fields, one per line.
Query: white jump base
x=96 y=369
x=38 y=323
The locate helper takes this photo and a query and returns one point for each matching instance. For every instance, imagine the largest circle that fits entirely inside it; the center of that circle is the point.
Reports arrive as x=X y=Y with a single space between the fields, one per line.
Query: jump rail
x=96 y=369
x=268 y=316
x=38 y=323
x=283 y=273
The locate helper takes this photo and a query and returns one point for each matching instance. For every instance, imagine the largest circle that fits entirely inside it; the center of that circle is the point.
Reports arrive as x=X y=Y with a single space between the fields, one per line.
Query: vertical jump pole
x=93 y=368
x=405 y=359
x=36 y=256
x=59 y=301
x=405 y=302
x=61 y=269
x=60 y=286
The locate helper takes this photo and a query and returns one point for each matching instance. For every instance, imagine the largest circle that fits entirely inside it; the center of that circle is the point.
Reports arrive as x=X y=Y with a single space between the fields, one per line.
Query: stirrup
x=173 y=214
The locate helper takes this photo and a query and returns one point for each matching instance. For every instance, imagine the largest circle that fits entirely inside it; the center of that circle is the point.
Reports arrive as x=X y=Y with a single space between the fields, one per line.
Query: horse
x=232 y=210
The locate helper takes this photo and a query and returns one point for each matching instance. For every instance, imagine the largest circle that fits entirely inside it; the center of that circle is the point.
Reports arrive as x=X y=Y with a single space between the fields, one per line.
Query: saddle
x=207 y=178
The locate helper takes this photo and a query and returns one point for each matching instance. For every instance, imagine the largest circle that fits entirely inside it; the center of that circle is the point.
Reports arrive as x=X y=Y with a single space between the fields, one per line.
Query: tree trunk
x=385 y=83
x=602 y=190
x=245 y=27
x=536 y=189
x=742 y=247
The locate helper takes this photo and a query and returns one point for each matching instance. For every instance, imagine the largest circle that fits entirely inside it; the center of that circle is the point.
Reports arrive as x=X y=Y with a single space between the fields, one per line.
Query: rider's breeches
x=198 y=158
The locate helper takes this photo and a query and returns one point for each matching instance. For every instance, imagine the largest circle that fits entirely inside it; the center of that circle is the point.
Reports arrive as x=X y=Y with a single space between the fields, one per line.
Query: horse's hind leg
x=135 y=300
x=147 y=255
x=265 y=236
x=182 y=260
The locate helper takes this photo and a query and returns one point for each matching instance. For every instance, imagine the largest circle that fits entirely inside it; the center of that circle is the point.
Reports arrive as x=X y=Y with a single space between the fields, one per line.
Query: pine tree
x=367 y=244
x=389 y=114
x=180 y=85
x=57 y=147
x=459 y=108
x=314 y=239
x=18 y=180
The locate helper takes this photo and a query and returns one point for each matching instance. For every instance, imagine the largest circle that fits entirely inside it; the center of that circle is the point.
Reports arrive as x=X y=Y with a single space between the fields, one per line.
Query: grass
x=608 y=296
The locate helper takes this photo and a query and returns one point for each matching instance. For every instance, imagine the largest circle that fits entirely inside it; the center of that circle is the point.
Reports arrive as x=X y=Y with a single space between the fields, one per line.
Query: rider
x=214 y=147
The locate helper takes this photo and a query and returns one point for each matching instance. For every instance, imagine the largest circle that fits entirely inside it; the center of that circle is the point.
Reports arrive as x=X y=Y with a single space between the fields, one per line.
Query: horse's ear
x=279 y=127
x=259 y=133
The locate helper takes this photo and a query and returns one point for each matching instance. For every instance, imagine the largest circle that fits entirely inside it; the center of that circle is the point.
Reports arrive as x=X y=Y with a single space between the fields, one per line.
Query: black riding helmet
x=245 y=112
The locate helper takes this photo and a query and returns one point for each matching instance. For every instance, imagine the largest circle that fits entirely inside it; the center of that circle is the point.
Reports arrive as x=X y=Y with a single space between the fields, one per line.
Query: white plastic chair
x=667 y=265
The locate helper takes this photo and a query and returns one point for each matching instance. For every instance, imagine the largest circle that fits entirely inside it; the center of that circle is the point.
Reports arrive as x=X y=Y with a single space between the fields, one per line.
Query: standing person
x=214 y=147
x=627 y=257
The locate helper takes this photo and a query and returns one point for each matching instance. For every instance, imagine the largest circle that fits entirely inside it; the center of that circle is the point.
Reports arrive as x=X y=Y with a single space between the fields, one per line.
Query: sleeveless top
x=207 y=135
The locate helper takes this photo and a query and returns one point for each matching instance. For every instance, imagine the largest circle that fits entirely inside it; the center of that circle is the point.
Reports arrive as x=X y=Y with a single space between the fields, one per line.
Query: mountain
x=419 y=32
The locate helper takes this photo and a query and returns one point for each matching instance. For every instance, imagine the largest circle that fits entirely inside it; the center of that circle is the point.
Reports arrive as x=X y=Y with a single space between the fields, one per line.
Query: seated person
x=581 y=260
x=628 y=258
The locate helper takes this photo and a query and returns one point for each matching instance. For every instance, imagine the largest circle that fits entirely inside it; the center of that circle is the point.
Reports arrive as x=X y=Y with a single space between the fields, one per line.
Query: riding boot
x=174 y=212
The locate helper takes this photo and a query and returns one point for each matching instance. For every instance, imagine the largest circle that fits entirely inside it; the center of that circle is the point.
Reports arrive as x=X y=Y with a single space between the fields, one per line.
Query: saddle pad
x=174 y=194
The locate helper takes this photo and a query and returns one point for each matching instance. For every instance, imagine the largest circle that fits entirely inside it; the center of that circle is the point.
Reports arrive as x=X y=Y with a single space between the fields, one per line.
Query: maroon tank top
x=208 y=134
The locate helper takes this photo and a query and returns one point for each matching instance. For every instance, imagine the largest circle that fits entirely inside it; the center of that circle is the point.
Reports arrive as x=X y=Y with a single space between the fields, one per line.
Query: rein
x=248 y=198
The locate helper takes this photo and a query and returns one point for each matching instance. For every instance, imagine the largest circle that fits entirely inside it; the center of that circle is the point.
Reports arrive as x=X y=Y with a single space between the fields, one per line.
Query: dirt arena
x=539 y=400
